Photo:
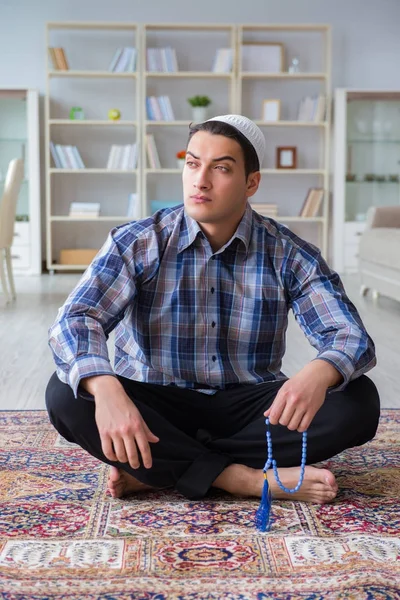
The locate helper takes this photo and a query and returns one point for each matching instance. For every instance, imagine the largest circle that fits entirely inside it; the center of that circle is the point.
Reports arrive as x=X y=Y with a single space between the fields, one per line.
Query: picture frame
x=262 y=57
x=271 y=110
x=286 y=157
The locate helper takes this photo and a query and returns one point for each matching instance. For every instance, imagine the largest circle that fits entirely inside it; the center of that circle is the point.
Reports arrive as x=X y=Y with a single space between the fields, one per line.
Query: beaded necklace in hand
x=263 y=514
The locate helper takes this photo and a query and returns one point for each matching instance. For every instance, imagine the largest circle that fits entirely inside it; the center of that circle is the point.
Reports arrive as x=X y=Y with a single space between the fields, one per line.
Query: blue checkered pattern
x=186 y=316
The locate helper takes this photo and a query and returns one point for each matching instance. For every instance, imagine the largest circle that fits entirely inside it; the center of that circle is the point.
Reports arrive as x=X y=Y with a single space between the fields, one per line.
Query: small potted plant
x=180 y=158
x=199 y=106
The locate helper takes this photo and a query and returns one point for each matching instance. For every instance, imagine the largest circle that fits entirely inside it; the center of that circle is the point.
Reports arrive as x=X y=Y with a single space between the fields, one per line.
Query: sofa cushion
x=381 y=246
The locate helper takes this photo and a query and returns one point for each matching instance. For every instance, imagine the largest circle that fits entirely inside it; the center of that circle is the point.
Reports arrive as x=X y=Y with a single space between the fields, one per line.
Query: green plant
x=199 y=100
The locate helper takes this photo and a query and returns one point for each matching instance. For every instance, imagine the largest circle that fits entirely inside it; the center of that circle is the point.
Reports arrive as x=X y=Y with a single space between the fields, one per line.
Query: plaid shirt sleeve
x=327 y=317
x=92 y=310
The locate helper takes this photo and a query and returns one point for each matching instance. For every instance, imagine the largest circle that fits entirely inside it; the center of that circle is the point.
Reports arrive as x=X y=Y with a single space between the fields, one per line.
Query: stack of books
x=312 y=202
x=159 y=108
x=58 y=59
x=161 y=60
x=84 y=209
x=266 y=210
x=123 y=157
x=66 y=157
x=223 y=61
x=152 y=154
x=124 y=60
x=133 y=206
x=312 y=108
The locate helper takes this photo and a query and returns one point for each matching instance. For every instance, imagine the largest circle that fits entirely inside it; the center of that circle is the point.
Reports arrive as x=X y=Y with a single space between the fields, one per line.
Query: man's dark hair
x=251 y=162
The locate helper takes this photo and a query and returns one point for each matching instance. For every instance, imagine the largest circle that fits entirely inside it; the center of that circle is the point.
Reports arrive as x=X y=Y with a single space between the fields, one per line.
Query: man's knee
x=365 y=407
x=58 y=396
x=62 y=407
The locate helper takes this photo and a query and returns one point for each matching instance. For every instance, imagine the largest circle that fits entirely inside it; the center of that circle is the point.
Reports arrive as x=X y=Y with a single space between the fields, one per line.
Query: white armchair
x=8 y=207
x=379 y=253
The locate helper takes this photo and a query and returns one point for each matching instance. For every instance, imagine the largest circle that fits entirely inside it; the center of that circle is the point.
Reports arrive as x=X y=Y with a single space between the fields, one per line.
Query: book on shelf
x=312 y=108
x=124 y=60
x=66 y=157
x=123 y=157
x=312 y=202
x=133 y=206
x=159 y=108
x=152 y=153
x=84 y=209
x=161 y=60
x=265 y=209
x=223 y=60
x=58 y=59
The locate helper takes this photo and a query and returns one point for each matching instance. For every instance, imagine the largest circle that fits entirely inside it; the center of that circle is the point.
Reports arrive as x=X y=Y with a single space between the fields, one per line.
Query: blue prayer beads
x=263 y=514
x=271 y=460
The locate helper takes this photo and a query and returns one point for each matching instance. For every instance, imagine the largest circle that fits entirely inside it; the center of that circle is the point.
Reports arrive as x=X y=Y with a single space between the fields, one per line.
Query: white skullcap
x=247 y=128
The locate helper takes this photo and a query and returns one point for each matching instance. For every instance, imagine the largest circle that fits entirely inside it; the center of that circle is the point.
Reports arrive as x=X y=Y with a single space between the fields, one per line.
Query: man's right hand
x=123 y=433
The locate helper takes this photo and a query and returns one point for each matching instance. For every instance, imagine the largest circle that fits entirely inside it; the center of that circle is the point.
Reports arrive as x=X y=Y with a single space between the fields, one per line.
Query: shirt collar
x=190 y=229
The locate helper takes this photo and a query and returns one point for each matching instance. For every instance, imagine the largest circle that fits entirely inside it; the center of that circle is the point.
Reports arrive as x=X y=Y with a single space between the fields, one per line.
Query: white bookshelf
x=312 y=45
x=195 y=47
x=89 y=48
x=236 y=91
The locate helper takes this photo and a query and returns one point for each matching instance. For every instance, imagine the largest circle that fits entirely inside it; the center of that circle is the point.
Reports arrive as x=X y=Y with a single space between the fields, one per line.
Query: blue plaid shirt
x=187 y=316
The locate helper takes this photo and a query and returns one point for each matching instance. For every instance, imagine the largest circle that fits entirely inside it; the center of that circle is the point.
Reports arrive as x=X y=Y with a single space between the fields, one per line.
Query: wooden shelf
x=93 y=122
x=89 y=74
x=175 y=123
x=257 y=75
x=189 y=74
x=290 y=123
x=96 y=171
x=58 y=267
x=166 y=171
x=299 y=219
x=111 y=218
x=293 y=171
x=91 y=25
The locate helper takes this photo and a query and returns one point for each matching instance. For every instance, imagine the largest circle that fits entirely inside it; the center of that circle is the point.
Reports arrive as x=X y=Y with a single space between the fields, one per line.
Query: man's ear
x=253 y=181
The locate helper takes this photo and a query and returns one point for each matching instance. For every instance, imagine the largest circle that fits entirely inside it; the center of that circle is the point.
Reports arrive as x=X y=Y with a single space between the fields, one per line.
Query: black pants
x=200 y=435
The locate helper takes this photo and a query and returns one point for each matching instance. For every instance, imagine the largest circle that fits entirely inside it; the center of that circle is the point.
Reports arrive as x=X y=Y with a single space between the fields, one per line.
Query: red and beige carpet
x=63 y=537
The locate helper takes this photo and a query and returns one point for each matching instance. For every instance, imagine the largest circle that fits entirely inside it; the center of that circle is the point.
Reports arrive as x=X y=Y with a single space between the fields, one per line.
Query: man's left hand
x=300 y=398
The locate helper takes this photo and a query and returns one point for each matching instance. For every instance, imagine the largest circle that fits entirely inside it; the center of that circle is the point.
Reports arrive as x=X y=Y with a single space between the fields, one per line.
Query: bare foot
x=319 y=485
x=121 y=483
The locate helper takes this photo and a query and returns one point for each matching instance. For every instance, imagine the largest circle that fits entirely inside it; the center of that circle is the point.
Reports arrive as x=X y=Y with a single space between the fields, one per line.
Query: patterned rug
x=62 y=537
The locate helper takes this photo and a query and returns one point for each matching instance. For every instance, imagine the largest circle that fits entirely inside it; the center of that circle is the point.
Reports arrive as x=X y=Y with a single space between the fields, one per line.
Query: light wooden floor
x=26 y=362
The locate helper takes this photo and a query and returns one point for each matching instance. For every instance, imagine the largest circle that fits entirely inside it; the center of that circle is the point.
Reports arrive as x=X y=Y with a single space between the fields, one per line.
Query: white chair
x=8 y=207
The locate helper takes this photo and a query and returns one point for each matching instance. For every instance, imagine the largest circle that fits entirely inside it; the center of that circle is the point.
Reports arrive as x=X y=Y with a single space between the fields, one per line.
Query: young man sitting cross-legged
x=199 y=296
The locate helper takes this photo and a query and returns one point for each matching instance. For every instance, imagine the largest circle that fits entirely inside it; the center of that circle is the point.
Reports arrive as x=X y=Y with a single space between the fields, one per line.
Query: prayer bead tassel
x=263 y=514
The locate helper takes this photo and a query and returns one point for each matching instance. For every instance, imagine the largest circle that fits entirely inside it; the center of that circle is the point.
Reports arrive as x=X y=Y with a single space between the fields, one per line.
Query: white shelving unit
x=312 y=45
x=19 y=138
x=87 y=84
x=195 y=47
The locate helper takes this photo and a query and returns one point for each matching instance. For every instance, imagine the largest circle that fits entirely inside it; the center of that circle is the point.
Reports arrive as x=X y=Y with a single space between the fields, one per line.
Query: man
x=199 y=297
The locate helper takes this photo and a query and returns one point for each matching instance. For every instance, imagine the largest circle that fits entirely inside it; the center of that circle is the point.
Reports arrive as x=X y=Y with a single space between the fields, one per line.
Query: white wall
x=365 y=33
x=366 y=40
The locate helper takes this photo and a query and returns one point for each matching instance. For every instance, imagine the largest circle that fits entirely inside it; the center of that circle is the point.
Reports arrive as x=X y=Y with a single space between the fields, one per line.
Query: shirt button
x=213 y=324
x=212 y=290
x=214 y=358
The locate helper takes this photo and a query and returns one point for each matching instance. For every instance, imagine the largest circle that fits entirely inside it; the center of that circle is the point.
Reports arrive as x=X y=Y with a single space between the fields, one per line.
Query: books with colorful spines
x=152 y=154
x=84 y=209
x=222 y=61
x=53 y=58
x=133 y=206
x=312 y=202
x=61 y=59
x=265 y=209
